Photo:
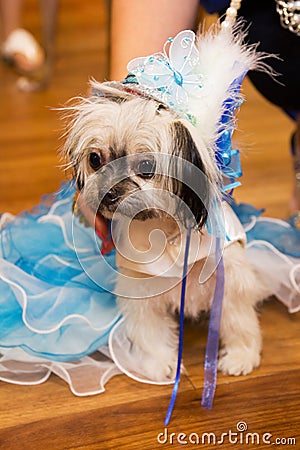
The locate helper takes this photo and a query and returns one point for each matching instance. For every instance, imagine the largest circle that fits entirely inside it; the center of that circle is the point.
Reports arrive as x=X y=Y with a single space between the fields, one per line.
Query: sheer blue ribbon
x=212 y=347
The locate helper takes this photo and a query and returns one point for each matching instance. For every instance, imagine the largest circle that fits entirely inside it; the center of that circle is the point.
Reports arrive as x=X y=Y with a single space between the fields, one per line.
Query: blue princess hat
x=199 y=77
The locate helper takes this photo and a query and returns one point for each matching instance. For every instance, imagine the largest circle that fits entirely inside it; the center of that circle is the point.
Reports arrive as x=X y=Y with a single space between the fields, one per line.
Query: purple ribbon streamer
x=212 y=346
x=181 y=328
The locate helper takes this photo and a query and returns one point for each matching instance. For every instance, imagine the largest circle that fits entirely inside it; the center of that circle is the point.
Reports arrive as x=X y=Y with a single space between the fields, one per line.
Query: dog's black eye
x=146 y=168
x=95 y=160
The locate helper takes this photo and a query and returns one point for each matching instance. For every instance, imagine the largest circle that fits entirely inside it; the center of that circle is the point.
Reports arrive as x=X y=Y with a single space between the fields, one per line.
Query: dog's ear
x=189 y=181
x=119 y=92
x=113 y=91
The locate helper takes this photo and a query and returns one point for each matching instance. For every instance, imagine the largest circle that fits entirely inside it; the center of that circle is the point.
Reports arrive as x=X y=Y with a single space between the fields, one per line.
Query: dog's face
x=133 y=156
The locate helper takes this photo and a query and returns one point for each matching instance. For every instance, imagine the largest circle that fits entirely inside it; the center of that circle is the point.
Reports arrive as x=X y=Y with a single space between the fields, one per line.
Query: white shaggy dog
x=133 y=156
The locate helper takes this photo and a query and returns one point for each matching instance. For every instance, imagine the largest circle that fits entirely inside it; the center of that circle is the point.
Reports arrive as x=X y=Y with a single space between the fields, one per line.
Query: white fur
x=152 y=327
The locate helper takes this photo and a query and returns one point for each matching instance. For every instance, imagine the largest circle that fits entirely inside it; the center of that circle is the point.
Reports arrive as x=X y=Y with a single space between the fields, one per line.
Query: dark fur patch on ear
x=193 y=192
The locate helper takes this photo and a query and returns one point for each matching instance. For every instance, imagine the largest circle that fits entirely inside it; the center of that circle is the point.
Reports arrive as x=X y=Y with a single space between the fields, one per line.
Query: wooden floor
x=131 y=415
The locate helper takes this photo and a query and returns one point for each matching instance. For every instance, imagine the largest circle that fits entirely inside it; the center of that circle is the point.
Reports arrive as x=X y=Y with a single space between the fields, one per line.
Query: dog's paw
x=238 y=361
x=159 y=370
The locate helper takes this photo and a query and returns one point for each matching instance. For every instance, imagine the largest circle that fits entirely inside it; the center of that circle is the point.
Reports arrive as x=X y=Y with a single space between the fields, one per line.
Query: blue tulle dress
x=57 y=308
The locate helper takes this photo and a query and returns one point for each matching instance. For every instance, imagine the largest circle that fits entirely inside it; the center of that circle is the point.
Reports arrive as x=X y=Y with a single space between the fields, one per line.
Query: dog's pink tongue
x=102 y=225
x=103 y=231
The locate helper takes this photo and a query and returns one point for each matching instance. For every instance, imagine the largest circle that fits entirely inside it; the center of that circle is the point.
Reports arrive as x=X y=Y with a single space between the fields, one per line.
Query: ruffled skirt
x=58 y=312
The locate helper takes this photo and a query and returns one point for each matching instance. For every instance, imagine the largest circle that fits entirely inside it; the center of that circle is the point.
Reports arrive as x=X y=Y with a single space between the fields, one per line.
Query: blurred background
x=30 y=128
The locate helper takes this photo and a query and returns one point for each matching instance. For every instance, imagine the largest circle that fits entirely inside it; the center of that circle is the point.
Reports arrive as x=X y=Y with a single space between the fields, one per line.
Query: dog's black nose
x=111 y=197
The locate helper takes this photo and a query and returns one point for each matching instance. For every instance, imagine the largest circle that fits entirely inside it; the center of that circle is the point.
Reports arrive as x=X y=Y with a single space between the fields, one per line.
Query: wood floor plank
x=137 y=424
